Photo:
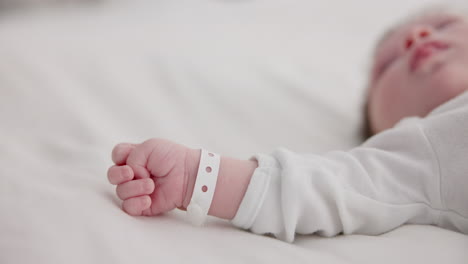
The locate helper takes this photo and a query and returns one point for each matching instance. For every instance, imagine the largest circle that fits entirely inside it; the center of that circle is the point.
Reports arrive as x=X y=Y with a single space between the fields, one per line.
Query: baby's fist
x=153 y=177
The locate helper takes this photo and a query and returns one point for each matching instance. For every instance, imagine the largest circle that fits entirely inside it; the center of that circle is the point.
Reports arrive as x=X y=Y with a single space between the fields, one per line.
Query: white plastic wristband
x=204 y=189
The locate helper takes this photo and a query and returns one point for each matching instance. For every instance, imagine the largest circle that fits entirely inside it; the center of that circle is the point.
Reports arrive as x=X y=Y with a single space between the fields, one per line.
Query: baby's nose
x=416 y=34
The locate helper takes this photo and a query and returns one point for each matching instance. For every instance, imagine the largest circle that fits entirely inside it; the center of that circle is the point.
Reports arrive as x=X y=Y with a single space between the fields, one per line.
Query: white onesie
x=416 y=173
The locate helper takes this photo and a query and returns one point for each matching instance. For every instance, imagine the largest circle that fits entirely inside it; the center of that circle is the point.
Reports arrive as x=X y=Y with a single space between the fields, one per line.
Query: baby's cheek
x=448 y=82
x=384 y=104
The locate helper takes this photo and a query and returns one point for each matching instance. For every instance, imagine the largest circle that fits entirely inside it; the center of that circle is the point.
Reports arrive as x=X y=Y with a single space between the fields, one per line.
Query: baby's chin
x=448 y=79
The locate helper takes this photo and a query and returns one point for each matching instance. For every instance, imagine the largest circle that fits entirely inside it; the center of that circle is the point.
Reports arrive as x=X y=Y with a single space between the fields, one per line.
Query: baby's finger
x=135 y=206
x=121 y=151
x=119 y=174
x=135 y=188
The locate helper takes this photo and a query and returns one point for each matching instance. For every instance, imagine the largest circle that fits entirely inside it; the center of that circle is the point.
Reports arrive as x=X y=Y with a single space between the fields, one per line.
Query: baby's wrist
x=192 y=159
x=233 y=180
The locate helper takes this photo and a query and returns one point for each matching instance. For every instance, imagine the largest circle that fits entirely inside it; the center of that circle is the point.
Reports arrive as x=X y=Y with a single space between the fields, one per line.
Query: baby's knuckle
x=118 y=191
x=128 y=207
x=146 y=186
x=126 y=173
x=109 y=174
x=144 y=202
x=114 y=179
x=118 y=148
x=153 y=141
x=117 y=153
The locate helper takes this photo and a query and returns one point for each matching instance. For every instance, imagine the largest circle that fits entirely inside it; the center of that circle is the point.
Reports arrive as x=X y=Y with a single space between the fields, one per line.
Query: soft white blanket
x=217 y=74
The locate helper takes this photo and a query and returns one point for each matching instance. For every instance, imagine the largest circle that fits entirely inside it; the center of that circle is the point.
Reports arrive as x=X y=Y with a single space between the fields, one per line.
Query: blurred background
x=12 y=4
x=248 y=66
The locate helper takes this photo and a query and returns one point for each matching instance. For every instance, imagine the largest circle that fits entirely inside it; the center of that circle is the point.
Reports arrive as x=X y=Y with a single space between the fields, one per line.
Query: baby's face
x=417 y=67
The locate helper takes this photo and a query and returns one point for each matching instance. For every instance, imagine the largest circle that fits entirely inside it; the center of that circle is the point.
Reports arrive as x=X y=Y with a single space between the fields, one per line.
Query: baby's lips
x=425 y=51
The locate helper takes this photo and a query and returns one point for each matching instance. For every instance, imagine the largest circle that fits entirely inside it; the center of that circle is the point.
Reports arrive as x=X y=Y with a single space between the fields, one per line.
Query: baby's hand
x=152 y=177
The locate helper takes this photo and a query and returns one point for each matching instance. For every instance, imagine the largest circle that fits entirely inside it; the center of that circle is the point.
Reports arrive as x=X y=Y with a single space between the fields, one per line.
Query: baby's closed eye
x=446 y=22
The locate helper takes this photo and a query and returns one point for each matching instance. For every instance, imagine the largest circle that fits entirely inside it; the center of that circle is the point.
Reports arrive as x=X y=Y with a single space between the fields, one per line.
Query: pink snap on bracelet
x=204 y=189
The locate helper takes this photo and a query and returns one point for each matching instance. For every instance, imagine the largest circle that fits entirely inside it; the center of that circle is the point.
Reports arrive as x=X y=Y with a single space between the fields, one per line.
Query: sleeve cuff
x=256 y=191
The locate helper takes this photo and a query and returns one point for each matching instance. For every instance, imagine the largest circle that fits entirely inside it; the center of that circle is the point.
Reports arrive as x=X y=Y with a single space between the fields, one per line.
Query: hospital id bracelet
x=204 y=189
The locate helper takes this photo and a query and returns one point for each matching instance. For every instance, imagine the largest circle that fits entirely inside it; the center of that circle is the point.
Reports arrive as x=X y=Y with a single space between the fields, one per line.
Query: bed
x=75 y=80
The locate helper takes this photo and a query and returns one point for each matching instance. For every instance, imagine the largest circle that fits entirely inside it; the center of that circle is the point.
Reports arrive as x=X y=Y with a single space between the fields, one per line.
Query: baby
x=412 y=171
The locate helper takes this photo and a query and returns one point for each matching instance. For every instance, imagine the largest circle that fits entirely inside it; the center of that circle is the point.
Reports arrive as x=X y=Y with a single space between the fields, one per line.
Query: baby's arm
x=158 y=175
x=414 y=173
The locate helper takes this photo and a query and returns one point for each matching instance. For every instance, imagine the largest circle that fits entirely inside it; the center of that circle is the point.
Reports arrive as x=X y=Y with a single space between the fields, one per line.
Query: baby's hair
x=459 y=8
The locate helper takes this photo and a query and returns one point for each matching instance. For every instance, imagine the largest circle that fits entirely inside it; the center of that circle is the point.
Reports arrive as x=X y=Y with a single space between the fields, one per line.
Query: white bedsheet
x=217 y=74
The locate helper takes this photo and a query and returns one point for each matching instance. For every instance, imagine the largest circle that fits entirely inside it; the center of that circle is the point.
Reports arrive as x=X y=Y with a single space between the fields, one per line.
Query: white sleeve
x=392 y=179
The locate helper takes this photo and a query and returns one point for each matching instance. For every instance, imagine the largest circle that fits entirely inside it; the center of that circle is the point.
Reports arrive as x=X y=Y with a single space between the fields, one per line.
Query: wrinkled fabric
x=415 y=173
